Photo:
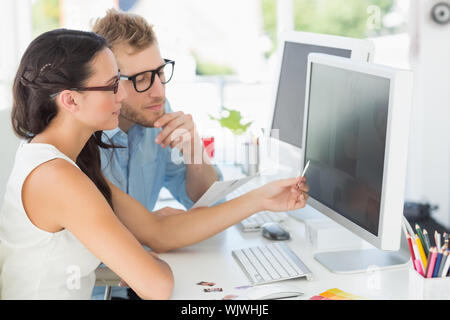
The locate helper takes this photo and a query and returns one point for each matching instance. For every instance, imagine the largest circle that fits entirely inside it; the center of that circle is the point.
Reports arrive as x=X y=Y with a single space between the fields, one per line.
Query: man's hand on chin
x=179 y=131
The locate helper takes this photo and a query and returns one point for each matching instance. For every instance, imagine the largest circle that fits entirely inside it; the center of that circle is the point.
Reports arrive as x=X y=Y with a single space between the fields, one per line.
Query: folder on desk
x=219 y=190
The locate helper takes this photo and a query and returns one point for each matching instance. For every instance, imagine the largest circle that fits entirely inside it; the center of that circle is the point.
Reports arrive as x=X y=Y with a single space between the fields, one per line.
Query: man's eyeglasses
x=114 y=87
x=142 y=81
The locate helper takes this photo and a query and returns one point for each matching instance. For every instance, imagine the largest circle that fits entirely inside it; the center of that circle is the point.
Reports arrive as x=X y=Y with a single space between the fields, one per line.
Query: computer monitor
x=355 y=137
x=285 y=129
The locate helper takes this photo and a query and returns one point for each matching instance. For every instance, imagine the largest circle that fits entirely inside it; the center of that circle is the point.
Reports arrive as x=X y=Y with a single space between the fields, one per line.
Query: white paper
x=219 y=189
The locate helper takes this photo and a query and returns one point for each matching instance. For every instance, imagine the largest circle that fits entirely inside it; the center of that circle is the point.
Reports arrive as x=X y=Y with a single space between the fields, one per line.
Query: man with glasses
x=148 y=129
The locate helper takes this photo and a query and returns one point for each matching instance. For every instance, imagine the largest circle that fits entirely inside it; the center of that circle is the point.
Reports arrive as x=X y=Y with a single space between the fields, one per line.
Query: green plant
x=208 y=68
x=45 y=16
x=232 y=121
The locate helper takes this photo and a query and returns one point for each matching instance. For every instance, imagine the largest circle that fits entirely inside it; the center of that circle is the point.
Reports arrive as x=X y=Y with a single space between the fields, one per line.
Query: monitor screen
x=290 y=98
x=345 y=142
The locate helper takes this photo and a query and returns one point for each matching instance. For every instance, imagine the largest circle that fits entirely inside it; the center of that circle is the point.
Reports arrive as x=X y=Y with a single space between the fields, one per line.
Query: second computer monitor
x=356 y=138
x=286 y=121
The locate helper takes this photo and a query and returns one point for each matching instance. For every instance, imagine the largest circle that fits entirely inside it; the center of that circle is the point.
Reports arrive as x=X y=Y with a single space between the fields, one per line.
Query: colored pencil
x=446 y=267
x=432 y=262
x=422 y=240
x=437 y=240
x=418 y=267
x=445 y=246
x=443 y=261
x=416 y=252
x=421 y=252
x=427 y=243
x=411 y=250
x=428 y=259
x=437 y=264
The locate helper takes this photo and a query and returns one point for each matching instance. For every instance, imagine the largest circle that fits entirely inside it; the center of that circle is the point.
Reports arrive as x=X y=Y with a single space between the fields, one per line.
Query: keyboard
x=270 y=263
x=255 y=221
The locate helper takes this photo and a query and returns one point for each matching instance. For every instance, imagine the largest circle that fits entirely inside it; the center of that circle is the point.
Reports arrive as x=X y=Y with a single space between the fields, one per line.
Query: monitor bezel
x=396 y=146
x=361 y=49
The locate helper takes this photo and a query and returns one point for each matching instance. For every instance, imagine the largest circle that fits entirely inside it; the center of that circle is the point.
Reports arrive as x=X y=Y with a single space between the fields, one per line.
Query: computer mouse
x=274 y=231
x=273 y=291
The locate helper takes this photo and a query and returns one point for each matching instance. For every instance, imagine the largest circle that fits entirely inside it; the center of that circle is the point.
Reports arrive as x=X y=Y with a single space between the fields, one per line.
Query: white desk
x=211 y=260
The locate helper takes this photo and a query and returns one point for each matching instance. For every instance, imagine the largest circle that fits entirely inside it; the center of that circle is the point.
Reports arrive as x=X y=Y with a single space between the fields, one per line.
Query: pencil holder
x=421 y=288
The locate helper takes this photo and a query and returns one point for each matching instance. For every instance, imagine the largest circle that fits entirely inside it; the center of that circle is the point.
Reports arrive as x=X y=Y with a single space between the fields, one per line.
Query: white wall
x=216 y=30
x=8 y=146
x=81 y=14
x=15 y=21
x=429 y=157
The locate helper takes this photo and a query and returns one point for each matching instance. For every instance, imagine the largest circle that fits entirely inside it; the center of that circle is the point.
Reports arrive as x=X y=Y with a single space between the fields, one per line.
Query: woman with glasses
x=61 y=217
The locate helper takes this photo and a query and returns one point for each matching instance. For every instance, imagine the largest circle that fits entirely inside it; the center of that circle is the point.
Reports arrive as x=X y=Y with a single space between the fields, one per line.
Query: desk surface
x=211 y=261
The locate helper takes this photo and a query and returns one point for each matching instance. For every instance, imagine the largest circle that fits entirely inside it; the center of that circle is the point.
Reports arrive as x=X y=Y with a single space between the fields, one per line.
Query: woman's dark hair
x=55 y=61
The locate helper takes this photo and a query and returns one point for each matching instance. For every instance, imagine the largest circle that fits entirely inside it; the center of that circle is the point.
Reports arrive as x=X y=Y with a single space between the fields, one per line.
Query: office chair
x=106 y=277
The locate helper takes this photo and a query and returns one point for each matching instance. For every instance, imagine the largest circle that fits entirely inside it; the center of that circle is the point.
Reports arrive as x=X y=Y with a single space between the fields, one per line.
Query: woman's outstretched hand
x=284 y=195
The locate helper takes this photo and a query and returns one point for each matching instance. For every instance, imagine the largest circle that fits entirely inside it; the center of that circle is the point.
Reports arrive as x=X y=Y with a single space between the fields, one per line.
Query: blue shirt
x=143 y=167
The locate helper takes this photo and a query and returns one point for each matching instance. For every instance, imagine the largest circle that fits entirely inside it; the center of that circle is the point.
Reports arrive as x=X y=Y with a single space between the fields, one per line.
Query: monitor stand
x=358 y=260
x=362 y=260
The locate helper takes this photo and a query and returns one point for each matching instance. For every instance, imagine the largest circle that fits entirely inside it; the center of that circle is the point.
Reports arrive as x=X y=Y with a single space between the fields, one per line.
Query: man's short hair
x=120 y=28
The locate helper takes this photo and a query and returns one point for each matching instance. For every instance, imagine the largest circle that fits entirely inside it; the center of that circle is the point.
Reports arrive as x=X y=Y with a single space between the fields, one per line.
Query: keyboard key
x=257 y=264
x=277 y=254
x=297 y=262
x=274 y=262
x=248 y=267
x=256 y=221
x=259 y=220
x=269 y=263
x=288 y=258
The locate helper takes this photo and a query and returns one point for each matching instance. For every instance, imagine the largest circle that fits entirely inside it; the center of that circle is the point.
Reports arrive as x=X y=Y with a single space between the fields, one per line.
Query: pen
x=422 y=240
x=436 y=266
x=432 y=262
x=442 y=265
x=304 y=170
x=421 y=252
x=426 y=238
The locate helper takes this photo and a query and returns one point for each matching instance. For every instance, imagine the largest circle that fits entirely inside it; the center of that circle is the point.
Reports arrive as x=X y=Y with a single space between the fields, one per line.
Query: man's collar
x=136 y=129
x=111 y=133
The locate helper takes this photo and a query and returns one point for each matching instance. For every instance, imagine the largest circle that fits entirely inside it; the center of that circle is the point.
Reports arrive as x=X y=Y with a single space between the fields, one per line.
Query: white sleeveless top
x=38 y=264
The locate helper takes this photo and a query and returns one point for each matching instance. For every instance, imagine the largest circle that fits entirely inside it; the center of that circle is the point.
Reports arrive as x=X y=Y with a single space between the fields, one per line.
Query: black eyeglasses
x=114 y=87
x=142 y=81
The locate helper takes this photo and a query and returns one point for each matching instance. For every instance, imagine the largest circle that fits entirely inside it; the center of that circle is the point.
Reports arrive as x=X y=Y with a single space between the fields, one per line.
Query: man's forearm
x=199 y=177
x=200 y=173
x=201 y=223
